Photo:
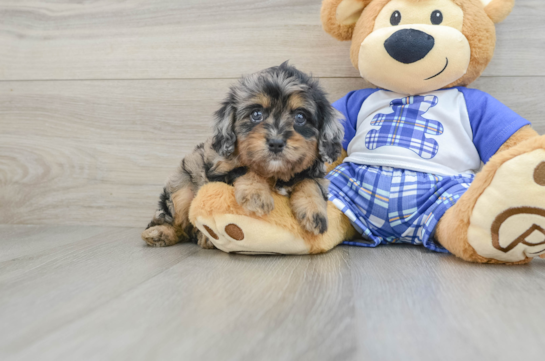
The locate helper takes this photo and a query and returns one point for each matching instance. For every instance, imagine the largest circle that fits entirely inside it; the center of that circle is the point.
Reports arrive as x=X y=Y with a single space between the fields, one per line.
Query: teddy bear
x=426 y=161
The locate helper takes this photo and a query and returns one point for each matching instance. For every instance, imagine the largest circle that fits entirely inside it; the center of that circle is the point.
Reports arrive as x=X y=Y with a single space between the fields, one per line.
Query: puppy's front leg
x=309 y=204
x=254 y=193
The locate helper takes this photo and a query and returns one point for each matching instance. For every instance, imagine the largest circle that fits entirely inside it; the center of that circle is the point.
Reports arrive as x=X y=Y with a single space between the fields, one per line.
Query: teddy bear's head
x=417 y=46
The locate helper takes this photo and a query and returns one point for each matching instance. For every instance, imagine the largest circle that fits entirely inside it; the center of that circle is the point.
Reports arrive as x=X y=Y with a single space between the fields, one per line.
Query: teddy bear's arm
x=523 y=134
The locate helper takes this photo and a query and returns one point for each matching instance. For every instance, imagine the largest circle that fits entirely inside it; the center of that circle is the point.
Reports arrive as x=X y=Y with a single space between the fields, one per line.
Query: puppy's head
x=279 y=122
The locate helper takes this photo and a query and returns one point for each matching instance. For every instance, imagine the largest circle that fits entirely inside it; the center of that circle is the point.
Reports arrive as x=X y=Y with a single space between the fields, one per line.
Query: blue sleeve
x=492 y=122
x=350 y=106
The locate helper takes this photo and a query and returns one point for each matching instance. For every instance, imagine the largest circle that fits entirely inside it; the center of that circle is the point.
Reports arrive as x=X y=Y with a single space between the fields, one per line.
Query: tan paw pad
x=508 y=221
x=211 y=233
x=234 y=231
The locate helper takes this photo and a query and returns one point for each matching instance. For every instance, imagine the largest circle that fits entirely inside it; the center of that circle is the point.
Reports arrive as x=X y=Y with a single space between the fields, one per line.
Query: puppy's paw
x=257 y=201
x=313 y=222
x=203 y=241
x=160 y=236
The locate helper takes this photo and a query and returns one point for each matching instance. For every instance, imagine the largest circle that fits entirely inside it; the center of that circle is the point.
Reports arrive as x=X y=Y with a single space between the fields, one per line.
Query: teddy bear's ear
x=498 y=10
x=340 y=16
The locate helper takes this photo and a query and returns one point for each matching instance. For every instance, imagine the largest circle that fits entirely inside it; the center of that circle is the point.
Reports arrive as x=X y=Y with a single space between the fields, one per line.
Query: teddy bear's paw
x=508 y=221
x=257 y=201
x=160 y=236
x=241 y=234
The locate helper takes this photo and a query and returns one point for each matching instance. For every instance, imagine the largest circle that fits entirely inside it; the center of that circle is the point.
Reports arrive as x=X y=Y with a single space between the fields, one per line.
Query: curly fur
x=239 y=153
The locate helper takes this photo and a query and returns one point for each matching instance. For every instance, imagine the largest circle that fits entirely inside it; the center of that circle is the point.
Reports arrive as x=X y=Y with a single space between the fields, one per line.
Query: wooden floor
x=96 y=293
x=99 y=101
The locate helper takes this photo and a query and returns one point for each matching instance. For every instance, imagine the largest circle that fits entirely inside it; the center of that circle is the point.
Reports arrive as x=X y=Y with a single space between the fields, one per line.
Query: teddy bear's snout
x=409 y=45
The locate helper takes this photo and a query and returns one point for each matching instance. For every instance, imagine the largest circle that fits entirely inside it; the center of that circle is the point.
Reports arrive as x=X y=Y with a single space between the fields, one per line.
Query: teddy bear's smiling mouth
x=436 y=75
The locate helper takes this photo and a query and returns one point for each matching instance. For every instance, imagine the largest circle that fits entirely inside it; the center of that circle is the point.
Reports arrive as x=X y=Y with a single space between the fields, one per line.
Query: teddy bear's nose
x=409 y=45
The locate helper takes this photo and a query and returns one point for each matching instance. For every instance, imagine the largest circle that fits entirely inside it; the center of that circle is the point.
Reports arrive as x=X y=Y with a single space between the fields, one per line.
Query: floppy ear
x=339 y=17
x=331 y=136
x=498 y=10
x=224 y=134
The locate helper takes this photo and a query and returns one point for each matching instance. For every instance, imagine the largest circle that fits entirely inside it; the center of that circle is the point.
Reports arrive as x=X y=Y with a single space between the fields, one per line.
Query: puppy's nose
x=276 y=145
x=409 y=45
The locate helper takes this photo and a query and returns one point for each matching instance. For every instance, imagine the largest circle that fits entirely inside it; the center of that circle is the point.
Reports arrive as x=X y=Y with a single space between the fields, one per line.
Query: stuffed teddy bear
x=413 y=147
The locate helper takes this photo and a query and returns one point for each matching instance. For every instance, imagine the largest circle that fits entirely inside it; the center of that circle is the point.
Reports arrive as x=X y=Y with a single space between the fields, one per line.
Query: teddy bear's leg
x=231 y=228
x=501 y=218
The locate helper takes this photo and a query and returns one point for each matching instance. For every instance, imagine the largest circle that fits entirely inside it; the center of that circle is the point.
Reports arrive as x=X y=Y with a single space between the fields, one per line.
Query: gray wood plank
x=17 y=240
x=205 y=39
x=412 y=304
x=110 y=298
x=208 y=306
x=98 y=152
x=40 y=292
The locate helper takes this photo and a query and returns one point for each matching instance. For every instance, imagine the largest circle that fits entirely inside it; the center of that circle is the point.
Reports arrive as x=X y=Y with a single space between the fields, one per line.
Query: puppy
x=274 y=132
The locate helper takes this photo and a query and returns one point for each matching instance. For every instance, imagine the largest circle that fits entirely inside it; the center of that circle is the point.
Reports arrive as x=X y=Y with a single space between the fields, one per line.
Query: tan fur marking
x=263 y=100
x=182 y=200
x=296 y=101
x=298 y=155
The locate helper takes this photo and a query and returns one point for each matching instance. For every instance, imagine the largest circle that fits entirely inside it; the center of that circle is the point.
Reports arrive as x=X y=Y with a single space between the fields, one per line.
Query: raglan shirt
x=445 y=132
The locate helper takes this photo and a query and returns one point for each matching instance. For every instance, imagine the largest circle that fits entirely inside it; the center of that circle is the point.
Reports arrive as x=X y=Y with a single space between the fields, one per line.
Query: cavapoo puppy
x=274 y=132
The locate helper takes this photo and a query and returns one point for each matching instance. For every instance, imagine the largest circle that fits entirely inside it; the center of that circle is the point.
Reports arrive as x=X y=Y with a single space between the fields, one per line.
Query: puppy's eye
x=256 y=116
x=300 y=119
x=436 y=17
x=395 y=19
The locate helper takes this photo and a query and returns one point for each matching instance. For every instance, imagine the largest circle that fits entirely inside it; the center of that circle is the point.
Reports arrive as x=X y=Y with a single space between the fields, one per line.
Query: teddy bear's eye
x=436 y=17
x=395 y=19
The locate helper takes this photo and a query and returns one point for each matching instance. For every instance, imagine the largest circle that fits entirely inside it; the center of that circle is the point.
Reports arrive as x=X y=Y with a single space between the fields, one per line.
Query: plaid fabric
x=406 y=127
x=389 y=205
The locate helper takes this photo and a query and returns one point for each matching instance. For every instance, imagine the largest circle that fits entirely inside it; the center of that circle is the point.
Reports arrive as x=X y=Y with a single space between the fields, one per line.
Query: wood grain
x=98 y=152
x=73 y=302
x=413 y=304
x=107 y=296
x=46 y=289
x=205 y=39
x=17 y=241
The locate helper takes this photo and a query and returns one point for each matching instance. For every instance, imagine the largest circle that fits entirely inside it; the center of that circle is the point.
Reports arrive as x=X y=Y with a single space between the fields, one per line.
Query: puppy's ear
x=331 y=135
x=339 y=17
x=498 y=10
x=224 y=130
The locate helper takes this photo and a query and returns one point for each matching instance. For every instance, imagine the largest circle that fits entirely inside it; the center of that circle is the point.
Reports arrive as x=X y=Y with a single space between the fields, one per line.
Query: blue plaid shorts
x=390 y=205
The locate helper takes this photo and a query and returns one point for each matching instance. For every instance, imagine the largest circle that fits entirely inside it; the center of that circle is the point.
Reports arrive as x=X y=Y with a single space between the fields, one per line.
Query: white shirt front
x=429 y=133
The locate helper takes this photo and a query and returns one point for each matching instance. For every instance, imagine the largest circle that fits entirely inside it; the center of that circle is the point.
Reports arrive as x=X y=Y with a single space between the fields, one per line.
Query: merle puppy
x=274 y=132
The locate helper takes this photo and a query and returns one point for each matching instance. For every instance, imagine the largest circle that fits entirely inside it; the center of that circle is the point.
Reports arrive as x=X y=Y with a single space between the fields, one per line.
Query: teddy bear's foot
x=240 y=234
x=508 y=221
x=217 y=214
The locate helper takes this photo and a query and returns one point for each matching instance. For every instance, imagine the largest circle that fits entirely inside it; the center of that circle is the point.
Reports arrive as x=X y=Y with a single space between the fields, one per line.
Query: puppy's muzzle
x=409 y=45
x=276 y=145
